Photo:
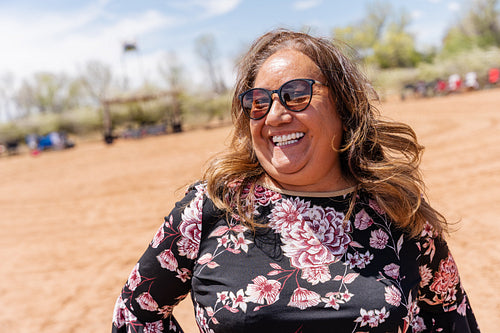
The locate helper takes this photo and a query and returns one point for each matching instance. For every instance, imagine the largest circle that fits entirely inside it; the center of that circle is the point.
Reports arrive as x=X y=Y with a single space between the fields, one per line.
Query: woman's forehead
x=285 y=65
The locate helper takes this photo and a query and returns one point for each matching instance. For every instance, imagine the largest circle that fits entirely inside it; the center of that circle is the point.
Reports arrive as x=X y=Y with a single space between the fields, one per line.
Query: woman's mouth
x=287 y=139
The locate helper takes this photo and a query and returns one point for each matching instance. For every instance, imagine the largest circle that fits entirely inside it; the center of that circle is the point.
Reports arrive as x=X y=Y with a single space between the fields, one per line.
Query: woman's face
x=308 y=162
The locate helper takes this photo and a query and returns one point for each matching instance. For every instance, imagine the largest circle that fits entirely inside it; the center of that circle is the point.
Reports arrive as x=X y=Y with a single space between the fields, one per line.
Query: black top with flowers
x=309 y=271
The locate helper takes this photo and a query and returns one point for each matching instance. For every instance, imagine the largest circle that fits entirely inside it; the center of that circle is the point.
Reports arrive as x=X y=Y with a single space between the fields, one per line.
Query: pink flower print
x=168 y=223
x=418 y=325
x=183 y=274
x=201 y=320
x=428 y=230
x=332 y=300
x=367 y=318
x=365 y=259
x=353 y=260
x=223 y=241
x=314 y=244
x=329 y=228
x=446 y=280
x=189 y=243
x=303 y=298
x=190 y=228
x=316 y=274
x=378 y=239
x=381 y=314
x=346 y=296
x=262 y=290
x=308 y=254
x=362 y=220
x=167 y=260
x=158 y=238
x=154 y=327
x=238 y=300
x=286 y=214
x=392 y=271
x=392 y=295
x=425 y=275
x=462 y=308
x=240 y=242
x=372 y=317
x=223 y=297
x=359 y=260
x=146 y=302
x=134 y=278
x=121 y=314
x=374 y=205
x=264 y=196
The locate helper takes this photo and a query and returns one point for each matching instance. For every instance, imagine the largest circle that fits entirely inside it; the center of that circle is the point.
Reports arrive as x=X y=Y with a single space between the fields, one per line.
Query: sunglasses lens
x=296 y=94
x=256 y=103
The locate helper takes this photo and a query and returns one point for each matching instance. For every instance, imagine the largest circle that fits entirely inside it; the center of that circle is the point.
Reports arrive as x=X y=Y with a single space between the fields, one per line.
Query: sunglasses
x=295 y=95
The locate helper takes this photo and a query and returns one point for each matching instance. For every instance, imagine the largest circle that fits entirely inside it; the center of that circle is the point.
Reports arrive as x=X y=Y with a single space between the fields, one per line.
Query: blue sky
x=61 y=35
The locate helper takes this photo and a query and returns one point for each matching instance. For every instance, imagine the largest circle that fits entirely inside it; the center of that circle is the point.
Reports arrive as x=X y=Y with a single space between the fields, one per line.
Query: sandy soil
x=73 y=223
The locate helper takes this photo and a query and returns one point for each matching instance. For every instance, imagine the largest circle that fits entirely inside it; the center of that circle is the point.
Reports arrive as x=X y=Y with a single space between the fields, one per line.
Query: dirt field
x=73 y=223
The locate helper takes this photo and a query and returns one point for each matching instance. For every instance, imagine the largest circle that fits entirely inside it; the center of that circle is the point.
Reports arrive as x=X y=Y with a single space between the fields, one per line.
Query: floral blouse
x=308 y=271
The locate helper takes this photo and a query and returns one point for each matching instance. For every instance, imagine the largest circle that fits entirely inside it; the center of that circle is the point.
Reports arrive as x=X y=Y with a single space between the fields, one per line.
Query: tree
x=382 y=37
x=478 y=27
x=397 y=47
x=172 y=71
x=96 y=77
x=6 y=93
x=363 y=35
x=206 y=49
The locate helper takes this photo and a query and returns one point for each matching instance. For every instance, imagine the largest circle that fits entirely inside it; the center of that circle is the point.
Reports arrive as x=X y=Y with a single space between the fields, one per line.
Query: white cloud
x=416 y=14
x=454 y=6
x=306 y=4
x=59 y=42
x=218 y=7
x=204 y=8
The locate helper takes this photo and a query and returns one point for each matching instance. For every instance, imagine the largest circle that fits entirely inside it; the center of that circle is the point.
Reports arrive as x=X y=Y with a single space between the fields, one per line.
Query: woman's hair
x=382 y=157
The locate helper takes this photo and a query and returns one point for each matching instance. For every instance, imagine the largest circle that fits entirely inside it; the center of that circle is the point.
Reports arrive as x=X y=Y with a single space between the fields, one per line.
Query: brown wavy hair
x=381 y=156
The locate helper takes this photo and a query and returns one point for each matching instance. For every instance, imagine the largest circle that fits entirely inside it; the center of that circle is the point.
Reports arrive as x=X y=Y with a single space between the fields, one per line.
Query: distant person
x=440 y=87
x=493 y=76
x=471 y=81
x=454 y=83
x=32 y=141
x=313 y=220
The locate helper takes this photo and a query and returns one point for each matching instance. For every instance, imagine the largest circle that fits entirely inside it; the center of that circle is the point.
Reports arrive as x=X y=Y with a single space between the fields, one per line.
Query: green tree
x=395 y=49
x=48 y=93
x=381 y=37
x=364 y=34
x=478 y=27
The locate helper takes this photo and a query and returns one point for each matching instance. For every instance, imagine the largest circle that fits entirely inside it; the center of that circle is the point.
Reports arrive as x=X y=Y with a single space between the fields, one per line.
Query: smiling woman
x=313 y=218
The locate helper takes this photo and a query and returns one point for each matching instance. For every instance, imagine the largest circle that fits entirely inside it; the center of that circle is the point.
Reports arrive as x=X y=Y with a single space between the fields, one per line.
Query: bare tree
x=96 y=77
x=206 y=49
x=6 y=96
x=172 y=72
x=48 y=92
x=483 y=22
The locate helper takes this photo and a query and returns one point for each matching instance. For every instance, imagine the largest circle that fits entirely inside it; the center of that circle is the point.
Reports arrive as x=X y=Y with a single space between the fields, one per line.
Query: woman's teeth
x=287 y=139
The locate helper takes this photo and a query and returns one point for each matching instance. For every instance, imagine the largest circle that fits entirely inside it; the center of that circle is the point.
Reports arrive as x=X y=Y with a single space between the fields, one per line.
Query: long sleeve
x=444 y=306
x=162 y=277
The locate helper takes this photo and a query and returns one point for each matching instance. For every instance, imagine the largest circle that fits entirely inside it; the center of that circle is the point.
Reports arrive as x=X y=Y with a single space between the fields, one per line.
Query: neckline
x=327 y=194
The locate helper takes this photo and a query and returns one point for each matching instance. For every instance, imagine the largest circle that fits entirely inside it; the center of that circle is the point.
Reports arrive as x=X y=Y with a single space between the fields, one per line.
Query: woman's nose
x=278 y=114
